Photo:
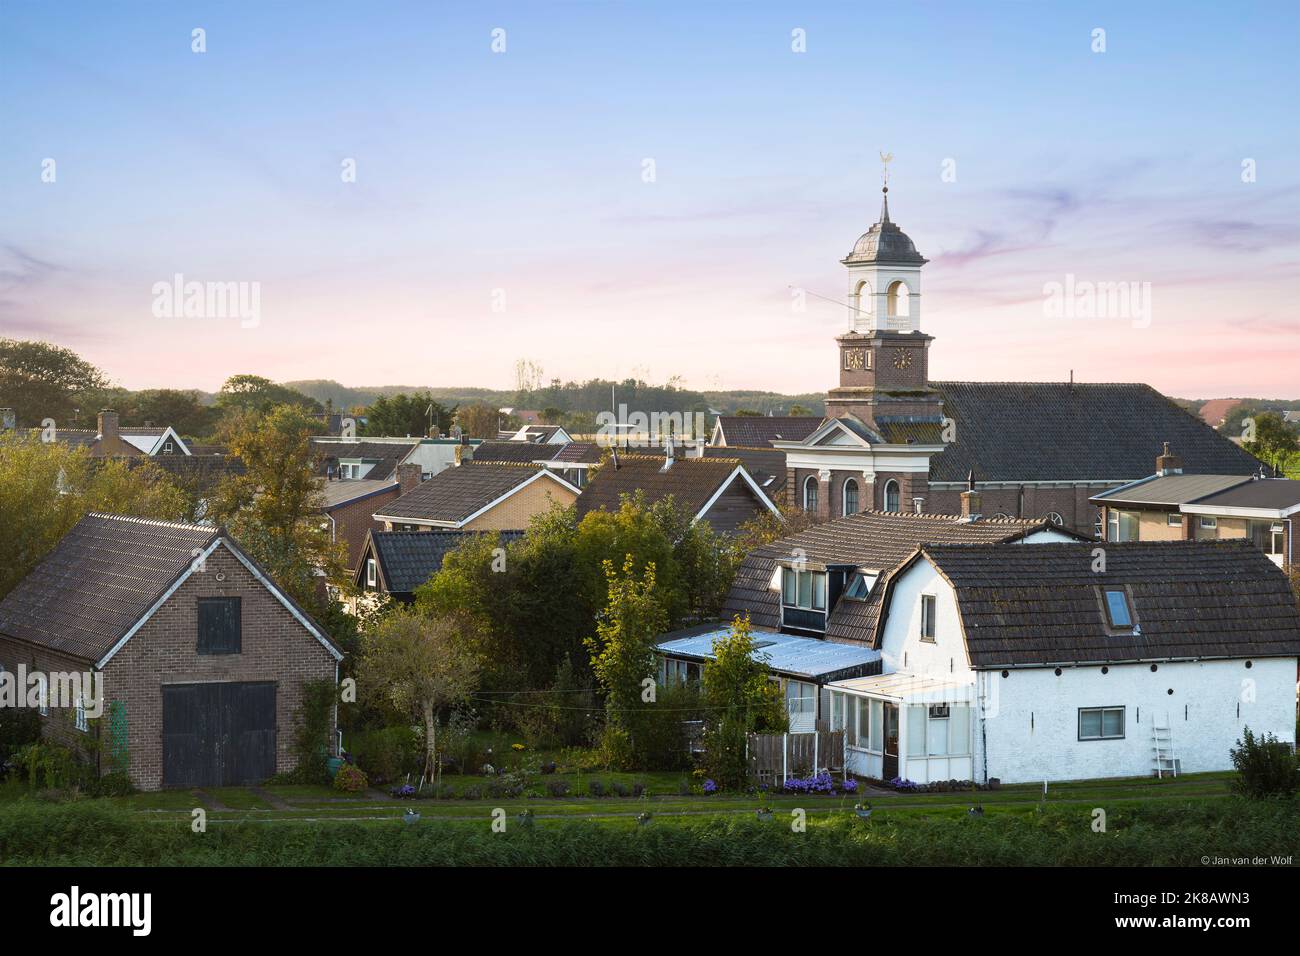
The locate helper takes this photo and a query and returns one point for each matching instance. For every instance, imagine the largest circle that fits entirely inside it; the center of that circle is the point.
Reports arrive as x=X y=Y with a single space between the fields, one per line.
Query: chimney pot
x=1167 y=463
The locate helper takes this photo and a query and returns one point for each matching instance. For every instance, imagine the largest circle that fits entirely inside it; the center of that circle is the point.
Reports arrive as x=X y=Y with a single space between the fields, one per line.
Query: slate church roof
x=1041 y=605
x=1059 y=431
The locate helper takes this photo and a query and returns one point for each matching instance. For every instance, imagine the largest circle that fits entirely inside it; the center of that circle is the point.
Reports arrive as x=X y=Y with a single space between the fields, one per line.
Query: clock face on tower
x=902 y=358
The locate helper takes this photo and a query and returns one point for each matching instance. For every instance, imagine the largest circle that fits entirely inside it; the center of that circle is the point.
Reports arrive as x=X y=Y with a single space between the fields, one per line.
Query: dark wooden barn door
x=218 y=735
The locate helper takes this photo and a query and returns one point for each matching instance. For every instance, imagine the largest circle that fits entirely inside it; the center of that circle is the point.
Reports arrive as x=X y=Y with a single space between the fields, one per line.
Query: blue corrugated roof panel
x=786 y=653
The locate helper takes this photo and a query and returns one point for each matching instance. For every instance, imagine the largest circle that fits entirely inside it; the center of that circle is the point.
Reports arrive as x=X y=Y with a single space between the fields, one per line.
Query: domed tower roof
x=884 y=243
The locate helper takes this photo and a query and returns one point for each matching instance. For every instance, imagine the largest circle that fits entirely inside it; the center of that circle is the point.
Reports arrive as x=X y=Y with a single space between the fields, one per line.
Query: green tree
x=257 y=395
x=420 y=665
x=402 y=414
x=623 y=660
x=739 y=700
x=40 y=381
x=182 y=409
x=47 y=487
x=1275 y=441
x=274 y=508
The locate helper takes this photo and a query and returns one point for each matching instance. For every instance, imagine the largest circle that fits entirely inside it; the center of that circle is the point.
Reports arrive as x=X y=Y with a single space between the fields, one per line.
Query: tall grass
x=92 y=833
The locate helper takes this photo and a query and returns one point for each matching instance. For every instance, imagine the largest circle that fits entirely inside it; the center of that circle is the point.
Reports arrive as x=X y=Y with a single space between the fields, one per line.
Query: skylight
x=1117 y=608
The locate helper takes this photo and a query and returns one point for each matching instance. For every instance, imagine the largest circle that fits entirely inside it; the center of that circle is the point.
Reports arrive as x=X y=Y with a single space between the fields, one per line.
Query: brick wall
x=516 y=511
x=354 y=519
x=59 y=726
x=274 y=647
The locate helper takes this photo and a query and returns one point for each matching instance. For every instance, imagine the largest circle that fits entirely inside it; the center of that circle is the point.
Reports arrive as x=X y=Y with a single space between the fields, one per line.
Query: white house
x=1073 y=661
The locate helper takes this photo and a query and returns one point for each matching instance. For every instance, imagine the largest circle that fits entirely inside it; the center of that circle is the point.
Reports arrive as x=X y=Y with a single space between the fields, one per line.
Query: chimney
x=668 y=455
x=8 y=420
x=108 y=425
x=409 y=476
x=1168 y=463
x=435 y=432
x=461 y=456
x=972 y=502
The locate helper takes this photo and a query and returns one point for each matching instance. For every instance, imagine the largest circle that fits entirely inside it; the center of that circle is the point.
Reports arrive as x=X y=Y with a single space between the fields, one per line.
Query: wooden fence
x=775 y=757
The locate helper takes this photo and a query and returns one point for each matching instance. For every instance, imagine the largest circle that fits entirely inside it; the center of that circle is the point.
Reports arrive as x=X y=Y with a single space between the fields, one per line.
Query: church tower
x=884 y=356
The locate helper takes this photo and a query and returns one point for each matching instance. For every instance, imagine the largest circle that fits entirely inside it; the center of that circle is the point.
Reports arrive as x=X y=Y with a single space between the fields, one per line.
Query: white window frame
x=898 y=497
x=844 y=497
x=1209 y=523
x=82 y=723
x=811 y=480
x=1174 y=519
x=804 y=703
x=43 y=696
x=929 y=611
x=372 y=573
x=815 y=578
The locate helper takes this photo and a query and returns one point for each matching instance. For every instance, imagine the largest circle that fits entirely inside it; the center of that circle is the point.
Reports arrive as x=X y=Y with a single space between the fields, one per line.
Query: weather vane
x=885 y=160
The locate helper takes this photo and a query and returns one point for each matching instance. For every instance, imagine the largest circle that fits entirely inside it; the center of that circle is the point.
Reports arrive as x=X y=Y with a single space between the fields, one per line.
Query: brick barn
x=201 y=658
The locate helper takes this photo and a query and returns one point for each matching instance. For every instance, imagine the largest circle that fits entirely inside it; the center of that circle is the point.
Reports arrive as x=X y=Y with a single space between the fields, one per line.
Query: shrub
x=388 y=753
x=596 y=788
x=311 y=733
x=620 y=789
x=350 y=779
x=19 y=727
x=1266 y=766
x=558 y=788
x=115 y=784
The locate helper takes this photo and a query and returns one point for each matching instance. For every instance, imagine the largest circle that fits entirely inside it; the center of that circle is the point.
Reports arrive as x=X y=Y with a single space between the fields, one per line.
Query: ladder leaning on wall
x=1162 y=749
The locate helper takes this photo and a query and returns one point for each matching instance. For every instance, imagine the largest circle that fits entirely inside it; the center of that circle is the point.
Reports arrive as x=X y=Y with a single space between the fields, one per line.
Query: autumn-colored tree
x=478 y=420
x=47 y=487
x=274 y=508
x=420 y=665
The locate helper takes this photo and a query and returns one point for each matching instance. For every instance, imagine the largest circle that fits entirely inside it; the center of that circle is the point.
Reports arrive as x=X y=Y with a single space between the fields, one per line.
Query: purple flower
x=710 y=786
x=850 y=786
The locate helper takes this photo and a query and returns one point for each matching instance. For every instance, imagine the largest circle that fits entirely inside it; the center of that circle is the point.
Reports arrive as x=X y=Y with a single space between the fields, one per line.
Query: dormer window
x=805 y=590
x=928 y=629
x=860 y=585
x=1118 y=612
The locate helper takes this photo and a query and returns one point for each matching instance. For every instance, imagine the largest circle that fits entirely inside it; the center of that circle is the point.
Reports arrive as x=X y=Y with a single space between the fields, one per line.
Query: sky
x=425 y=193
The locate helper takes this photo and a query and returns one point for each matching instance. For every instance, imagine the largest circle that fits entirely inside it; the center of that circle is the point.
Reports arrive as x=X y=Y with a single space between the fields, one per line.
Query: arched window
x=891 y=495
x=862 y=296
x=850 y=497
x=1055 y=518
x=810 y=494
x=898 y=298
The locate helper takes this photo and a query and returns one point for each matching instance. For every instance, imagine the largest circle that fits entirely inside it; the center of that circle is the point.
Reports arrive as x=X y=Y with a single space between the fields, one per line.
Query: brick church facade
x=894 y=440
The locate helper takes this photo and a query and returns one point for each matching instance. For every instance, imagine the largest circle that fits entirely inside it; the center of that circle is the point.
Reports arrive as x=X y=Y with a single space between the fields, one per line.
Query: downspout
x=984 y=736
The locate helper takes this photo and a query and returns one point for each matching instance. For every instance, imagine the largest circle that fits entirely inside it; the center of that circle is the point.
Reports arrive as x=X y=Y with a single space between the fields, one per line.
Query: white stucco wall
x=901 y=646
x=1031 y=727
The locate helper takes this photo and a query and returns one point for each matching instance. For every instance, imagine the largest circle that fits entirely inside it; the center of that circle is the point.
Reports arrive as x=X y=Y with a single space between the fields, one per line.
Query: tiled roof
x=754 y=431
x=1032 y=431
x=456 y=493
x=388 y=455
x=580 y=453
x=691 y=481
x=99 y=580
x=876 y=540
x=514 y=451
x=765 y=465
x=406 y=559
x=1170 y=489
x=1042 y=605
